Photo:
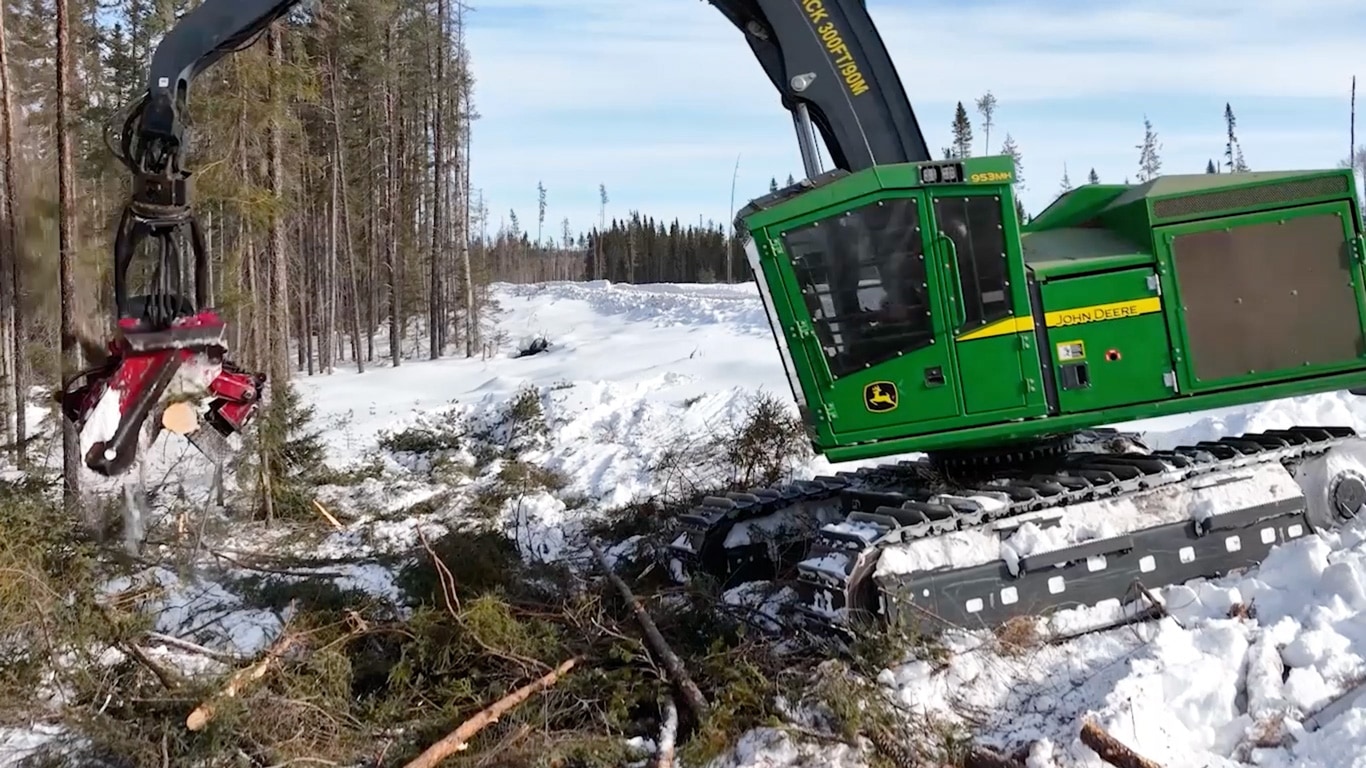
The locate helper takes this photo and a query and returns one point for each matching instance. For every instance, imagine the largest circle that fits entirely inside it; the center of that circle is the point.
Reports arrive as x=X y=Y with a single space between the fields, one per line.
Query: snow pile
x=1199 y=688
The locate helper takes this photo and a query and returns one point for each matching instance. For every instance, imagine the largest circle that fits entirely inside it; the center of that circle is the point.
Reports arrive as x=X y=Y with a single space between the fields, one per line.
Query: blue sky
x=657 y=98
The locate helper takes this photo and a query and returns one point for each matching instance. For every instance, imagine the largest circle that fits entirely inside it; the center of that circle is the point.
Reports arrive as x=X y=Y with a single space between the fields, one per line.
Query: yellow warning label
x=1000 y=328
x=1097 y=313
x=839 y=52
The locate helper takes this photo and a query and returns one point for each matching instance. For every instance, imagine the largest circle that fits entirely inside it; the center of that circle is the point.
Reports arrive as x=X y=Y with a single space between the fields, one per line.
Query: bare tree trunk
x=339 y=190
x=436 y=321
x=66 y=225
x=14 y=312
x=307 y=292
x=256 y=281
x=391 y=172
x=467 y=115
x=279 y=267
x=374 y=231
x=211 y=284
x=330 y=291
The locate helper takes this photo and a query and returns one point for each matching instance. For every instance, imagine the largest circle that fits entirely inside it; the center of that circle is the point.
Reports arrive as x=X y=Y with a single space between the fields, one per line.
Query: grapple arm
x=213 y=29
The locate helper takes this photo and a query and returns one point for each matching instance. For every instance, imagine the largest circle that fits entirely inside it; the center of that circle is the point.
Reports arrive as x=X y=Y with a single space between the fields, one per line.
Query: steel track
x=835 y=528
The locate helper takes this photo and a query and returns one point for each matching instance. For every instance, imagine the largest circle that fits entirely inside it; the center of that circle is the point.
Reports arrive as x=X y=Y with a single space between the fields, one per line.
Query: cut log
x=458 y=740
x=692 y=695
x=1109 y=749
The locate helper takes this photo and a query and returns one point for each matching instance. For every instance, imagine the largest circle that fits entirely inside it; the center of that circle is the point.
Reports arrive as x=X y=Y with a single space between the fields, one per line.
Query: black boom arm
x=206 y=34
x=829 y=63
x=152 y=145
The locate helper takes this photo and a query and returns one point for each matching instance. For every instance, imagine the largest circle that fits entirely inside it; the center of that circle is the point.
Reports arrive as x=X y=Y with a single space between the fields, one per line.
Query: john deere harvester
x=915 y=314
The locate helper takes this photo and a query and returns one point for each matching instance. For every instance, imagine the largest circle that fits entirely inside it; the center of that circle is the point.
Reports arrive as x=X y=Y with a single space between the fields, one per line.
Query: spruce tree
x=1149 y=161
x=773 y=184
x=1010 y=149
x=1066 y=185
x=986 y=107
x=1209 y=167
x=962 y=132
x=1233 y=151
x=1093 y=177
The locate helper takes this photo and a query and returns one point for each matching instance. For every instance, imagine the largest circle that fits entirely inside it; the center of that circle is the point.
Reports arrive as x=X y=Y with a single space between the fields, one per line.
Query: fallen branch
x=328 y=515
x=186 y=645
x=986 y=757
x=1150 y=613
x=169 y=678
x=203 y=713
x=458 y=740
x=1336 y=706
x=692 y=695
x=1109 y=749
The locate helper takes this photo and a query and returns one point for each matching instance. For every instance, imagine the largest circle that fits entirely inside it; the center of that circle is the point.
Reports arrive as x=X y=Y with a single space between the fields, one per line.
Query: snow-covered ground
x=632 y=370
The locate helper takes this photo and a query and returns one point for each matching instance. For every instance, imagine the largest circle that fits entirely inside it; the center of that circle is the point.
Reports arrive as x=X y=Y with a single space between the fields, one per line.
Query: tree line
x=640 y=249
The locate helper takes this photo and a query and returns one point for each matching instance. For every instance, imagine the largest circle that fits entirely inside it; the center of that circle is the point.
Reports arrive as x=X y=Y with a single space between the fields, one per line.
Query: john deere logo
x=880 y=396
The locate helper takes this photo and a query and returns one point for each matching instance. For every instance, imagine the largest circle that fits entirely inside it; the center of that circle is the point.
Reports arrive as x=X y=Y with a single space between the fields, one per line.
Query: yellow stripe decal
x=1093 y=314
x=1100 y=312
x=1000 y=328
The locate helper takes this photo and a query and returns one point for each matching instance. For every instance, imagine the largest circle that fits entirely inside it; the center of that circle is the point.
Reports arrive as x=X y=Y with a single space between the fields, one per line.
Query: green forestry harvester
x=914 y=313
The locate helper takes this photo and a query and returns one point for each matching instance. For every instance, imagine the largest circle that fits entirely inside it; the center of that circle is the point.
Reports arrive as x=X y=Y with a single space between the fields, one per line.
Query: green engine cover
x=914 y=312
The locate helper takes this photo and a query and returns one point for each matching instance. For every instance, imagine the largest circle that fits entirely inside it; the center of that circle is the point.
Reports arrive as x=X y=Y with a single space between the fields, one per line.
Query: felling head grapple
x=169 y=350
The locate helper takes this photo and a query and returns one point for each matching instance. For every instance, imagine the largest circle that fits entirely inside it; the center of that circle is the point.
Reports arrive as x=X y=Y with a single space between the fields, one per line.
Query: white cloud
x=656 y=98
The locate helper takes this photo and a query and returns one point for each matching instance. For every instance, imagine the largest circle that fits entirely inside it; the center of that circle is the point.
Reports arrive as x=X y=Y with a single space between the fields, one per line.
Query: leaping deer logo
x=880 y=396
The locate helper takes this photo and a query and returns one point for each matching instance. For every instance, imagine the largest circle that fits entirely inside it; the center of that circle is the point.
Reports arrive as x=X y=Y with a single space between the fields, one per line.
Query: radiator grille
x=1267 y=298
x=1267 y=194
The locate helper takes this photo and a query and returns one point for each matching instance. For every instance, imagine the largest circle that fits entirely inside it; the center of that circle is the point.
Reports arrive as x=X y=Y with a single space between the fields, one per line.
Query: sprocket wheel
x=1347 y=493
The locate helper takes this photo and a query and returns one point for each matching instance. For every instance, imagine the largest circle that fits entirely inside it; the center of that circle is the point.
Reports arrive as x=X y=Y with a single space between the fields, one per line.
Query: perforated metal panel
x=1227 y=199
x=1267 y=297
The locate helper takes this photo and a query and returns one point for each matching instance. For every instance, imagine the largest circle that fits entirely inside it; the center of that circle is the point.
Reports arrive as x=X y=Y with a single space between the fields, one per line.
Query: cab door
x=877 y=340
x=990 y=331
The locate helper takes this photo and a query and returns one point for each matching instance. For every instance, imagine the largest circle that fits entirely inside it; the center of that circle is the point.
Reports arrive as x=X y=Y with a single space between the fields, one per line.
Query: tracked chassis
x=913 y=544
